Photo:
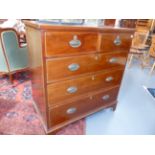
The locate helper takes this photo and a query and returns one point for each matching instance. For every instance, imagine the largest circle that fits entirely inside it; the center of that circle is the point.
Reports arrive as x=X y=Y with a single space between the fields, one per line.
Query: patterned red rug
x=17 y=114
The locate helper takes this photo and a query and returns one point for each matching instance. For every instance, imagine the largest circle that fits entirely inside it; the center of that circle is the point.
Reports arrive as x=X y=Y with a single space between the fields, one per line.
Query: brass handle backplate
x=72 y=89
x=73 y=67
x=71 y=110
x=75 y=42
x=106 y=97
x=117 y=41
x=108 y=79
x=113 y=60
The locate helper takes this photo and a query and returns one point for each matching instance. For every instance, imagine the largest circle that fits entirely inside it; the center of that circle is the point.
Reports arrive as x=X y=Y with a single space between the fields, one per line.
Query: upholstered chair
x=13 y=58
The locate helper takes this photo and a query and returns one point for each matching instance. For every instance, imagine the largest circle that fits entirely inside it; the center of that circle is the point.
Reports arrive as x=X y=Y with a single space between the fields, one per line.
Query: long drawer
x=65 y=90
x=65 y=43
x=59 y=68
x=77 y=108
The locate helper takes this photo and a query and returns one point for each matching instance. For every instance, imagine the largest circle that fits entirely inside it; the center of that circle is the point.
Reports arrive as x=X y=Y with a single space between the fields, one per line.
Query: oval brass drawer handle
x=75 y=43
x=73 y=67
x=106 y=97
x=71 y=110
x=113 y=60
x=117 y=41
x=108 y=79
x=72 y=89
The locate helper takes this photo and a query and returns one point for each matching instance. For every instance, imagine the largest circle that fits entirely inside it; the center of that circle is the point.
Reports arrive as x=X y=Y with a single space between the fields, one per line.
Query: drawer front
x=60 y=68
x=61 y=91
x=72 y=110
x=64 y=43
x=116 y=42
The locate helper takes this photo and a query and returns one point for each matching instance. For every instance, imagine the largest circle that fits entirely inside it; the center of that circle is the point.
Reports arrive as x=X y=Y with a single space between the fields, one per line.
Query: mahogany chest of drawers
x=76 y=70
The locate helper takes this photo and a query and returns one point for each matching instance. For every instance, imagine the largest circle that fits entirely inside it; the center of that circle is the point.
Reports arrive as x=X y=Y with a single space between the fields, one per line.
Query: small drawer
x=59 y=68
x=65 y=43
x=75 y=109
x=117 y=42
x=65 y=90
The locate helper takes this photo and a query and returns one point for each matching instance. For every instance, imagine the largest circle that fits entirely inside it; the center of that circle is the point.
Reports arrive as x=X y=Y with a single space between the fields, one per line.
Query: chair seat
x=135 y=51
x=140 y=47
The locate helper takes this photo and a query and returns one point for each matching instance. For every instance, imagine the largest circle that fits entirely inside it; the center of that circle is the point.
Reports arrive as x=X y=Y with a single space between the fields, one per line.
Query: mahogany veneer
x=76 y=70
x=84 y=84
x=56 y=43
x=83 y=106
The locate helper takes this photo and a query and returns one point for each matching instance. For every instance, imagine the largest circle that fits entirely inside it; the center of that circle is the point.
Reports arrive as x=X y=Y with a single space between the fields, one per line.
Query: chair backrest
x=10 y=41
x=144 y=25
x=3 y=63
x=140 y=38
x=11 y=47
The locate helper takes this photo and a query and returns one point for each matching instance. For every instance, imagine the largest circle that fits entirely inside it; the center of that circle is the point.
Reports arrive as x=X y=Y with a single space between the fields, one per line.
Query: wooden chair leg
x=141 y=62
x=1 y=75
x=114 y=107
x=11 y=78
x=130 y=60
x=152 y=68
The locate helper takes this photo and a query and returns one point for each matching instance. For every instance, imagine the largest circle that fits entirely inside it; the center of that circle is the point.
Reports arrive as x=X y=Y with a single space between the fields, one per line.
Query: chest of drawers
x=76 y=70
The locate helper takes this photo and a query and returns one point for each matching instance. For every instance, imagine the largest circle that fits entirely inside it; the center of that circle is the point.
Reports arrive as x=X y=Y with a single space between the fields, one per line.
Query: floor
x=135 y=113
x=17 y=113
